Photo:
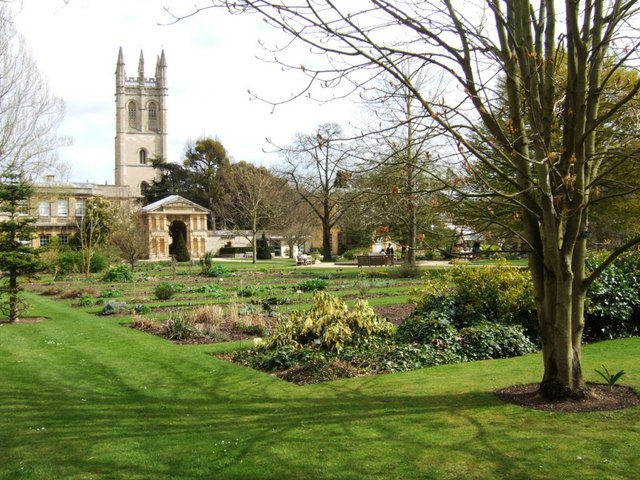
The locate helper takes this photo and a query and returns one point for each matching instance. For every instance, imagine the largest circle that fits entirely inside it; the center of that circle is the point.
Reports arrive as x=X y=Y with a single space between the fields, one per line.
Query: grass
x=84 y=397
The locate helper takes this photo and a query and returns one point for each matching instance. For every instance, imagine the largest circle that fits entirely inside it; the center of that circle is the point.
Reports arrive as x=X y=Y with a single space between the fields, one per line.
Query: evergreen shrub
x=218 y=270
x=119 y=273
x=180 y=251
x=166 y=290
x=613 y=300
x=263 y=251
x=490 y=340
x=312 y=285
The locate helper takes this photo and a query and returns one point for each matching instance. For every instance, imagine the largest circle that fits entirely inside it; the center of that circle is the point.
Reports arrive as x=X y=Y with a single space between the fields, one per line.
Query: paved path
x=422 y=263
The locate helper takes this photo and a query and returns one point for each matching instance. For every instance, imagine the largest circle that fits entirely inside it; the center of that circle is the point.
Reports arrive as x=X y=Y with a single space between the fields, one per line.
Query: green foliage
x=610 y=378
x=70 y=262
x=115 y=308
x=111 y=293
x=472 y=295
x=491 y=340
x=329 y=325
x=352 y=253
x=180 y=250
x=210 y=289
x=18 y=259
x=248 y=291
x=205 y=262
x=481 y=341
x=177 y=328
x=141 y=309
x=96 y=224
x=166 y=290
x=312 y=285
x=218 y=270
x=428 y=328
x=119 y=273
x=406 y=271
x=86 y=301
x=613 y=300
x=99 y=262
x=263 y=251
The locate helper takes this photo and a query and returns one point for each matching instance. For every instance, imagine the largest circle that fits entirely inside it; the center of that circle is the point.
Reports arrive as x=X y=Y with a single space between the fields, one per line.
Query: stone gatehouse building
x=140 y=137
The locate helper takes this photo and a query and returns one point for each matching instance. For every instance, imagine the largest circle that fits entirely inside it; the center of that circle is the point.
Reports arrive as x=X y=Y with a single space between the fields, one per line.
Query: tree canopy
x=198 y=178
x=542 y=142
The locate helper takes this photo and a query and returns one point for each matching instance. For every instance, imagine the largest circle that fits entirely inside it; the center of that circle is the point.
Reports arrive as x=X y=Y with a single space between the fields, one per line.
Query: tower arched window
x=133 y=115
x=153 y=116
x=143 y=156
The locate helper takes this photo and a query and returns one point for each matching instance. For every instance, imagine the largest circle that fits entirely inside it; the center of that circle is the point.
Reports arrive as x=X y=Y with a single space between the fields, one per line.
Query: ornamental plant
x=329 y=325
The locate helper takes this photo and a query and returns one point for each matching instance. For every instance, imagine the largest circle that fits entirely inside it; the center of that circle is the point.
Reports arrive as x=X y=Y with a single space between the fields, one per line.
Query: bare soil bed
x=599 y=398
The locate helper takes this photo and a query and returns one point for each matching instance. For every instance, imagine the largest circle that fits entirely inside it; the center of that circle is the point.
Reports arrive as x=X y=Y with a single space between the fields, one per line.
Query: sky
x=212 y=62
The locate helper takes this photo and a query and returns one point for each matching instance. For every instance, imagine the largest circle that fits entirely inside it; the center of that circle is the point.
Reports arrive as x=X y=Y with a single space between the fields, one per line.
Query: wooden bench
x=374 y=260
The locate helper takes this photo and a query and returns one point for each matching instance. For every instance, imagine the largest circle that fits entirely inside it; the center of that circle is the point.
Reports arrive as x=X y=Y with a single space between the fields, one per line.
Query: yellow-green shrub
x=330 y=325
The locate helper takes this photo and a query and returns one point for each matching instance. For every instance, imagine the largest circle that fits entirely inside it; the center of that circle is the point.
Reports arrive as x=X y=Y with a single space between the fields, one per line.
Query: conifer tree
x=17 y=257
x=264 y=252
x=181 y=252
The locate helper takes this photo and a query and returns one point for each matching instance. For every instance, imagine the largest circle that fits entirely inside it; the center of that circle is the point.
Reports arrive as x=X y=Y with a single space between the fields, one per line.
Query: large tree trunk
x=411 y=241
x=559 y=297
x=13 y=297
x=326 y=241
x=561 y=345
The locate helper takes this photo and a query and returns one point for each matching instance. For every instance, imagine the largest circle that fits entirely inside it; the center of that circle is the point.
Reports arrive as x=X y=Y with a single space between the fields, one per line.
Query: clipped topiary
x=263 y=251
x=180 y=251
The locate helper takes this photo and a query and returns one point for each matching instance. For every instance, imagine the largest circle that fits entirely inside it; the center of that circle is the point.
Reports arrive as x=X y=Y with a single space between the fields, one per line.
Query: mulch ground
x=394 y=313
x=599 y=398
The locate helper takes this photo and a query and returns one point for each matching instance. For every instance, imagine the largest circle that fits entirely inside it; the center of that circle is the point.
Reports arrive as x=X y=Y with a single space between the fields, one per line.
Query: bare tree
x=543 y=145
x=316 y=166
x=94 y=227
x=251 y=200
x=29 y=113
x=295 y=221
x=401 y=170
x=129 y=236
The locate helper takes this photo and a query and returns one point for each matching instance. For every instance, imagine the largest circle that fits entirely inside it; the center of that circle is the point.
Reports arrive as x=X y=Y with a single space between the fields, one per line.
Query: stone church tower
x=141 y=124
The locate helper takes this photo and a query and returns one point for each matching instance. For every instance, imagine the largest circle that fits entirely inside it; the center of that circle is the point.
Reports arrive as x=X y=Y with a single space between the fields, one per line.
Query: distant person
x=389 y=250
x=475 y=249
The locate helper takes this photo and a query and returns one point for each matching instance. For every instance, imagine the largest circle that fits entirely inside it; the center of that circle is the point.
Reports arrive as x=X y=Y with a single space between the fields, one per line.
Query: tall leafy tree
x=206 y=160
x=17 y=257
x=199 y=178
x=543 y=145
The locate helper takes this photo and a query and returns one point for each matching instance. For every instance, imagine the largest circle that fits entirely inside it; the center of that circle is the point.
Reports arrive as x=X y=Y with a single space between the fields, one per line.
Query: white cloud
x=211 y=61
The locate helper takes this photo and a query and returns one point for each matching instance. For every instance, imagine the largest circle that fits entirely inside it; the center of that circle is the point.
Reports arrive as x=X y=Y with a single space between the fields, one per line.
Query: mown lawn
x=85 y=397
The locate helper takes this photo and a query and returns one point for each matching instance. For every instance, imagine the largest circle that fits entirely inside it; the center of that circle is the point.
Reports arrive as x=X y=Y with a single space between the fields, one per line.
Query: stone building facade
x=140 y=137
